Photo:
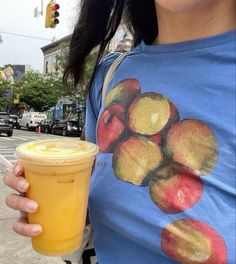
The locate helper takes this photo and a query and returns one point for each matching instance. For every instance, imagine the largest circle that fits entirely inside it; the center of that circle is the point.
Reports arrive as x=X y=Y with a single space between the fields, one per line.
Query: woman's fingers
x=18 y=183
x=18 y=168
x=21 y=203
x=22 y=227
x=15 y=179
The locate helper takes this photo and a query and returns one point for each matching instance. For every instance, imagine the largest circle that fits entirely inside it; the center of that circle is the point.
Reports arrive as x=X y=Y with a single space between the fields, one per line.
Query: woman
x=162 y=188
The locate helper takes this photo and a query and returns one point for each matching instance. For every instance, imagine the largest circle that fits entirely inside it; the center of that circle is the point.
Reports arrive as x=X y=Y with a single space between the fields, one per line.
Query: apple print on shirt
x=152 y=147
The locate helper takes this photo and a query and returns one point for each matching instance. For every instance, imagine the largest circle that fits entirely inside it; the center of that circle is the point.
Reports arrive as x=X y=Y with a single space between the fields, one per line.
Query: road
x=15 y=249
x=9 y=144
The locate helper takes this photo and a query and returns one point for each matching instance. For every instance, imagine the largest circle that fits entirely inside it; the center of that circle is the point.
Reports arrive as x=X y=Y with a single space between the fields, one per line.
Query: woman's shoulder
x=107 y=60
x=104 y=65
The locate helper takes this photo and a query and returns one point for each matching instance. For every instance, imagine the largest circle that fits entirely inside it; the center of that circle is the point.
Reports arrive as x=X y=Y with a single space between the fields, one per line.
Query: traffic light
x=52 y=15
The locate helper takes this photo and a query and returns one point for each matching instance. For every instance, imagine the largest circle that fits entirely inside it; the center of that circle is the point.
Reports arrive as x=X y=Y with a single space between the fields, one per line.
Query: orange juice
x=58 y=172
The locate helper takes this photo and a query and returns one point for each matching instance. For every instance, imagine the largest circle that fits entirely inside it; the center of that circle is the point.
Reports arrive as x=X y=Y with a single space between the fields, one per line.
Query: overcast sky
x=17 y=17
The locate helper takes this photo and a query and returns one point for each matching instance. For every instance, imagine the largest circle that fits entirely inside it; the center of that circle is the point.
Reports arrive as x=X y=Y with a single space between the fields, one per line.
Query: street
x=15 y=249
x=9 y=144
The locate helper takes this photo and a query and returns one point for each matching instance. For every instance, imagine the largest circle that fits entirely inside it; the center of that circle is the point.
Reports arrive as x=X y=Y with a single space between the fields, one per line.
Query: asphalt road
x=15 y=249
x=9 y=144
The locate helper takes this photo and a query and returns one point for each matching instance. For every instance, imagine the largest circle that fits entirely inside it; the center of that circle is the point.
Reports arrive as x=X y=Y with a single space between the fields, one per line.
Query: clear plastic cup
x=58 y=171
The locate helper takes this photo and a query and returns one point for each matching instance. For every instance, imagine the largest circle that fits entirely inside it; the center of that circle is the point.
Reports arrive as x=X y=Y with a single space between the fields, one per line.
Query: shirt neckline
x=191 y=44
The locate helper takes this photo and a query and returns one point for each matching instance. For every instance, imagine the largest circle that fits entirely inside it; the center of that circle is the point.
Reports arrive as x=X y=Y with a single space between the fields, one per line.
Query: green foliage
x=40 y=91
x=80 y=90
x=89 y=67
x=5 y=87
x=60 y=63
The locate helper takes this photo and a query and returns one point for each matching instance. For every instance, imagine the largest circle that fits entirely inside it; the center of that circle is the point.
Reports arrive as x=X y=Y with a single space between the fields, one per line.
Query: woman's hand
x=18 y=201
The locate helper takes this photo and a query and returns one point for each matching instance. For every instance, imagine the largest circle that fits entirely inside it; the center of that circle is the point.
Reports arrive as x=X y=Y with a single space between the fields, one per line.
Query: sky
x=17 y=17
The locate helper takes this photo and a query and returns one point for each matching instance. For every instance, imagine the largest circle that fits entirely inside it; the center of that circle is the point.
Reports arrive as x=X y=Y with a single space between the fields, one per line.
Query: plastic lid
x=56 y=151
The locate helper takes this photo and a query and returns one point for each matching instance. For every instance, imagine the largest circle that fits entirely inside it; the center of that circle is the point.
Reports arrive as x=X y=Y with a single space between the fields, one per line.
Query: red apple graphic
x=151 y=113
x=192 y=143
x=173 y=118
x=111 y=126
x=158 y=138
x=134 y=158
x=190 y=241
x=123 y=92
x=173 y=188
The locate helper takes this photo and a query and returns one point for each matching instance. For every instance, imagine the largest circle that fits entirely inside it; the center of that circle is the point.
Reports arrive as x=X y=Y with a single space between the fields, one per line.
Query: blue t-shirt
x=163 y=188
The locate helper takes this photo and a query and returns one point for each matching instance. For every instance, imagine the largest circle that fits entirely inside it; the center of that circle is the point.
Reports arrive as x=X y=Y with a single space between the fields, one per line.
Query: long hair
x=97 y=24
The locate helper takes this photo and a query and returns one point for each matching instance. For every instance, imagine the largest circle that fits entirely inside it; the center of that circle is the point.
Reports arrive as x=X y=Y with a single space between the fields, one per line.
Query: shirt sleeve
x=93 y=101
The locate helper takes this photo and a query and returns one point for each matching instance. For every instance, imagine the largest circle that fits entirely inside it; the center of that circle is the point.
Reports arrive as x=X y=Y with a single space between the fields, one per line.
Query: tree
x=39 y=91
x=6 y=88
x=80 y=91
x=89 y=67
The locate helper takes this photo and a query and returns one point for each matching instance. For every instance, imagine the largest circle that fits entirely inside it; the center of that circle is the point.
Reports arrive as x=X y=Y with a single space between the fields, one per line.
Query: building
x=54 y=51
x=13 y=72
x=125 y=44
x=122 y=41
x=20 y=70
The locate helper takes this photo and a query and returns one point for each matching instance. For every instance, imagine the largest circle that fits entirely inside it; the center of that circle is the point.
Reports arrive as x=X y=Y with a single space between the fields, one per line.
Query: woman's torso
x=163 y=189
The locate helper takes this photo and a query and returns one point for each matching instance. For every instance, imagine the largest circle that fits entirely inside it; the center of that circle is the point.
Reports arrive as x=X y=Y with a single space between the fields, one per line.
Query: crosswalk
x=23 y=138
x=9 y=144
x=8 y=154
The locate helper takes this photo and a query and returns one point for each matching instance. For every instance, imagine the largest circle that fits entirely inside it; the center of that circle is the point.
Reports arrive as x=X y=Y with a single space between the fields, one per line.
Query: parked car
x=5 y=124
x=30 y=120
x=46 y=125
x=66 y=128
x=14 y=120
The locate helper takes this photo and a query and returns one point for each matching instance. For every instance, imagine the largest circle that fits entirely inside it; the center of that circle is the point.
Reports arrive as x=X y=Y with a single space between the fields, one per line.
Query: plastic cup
x=58 y=171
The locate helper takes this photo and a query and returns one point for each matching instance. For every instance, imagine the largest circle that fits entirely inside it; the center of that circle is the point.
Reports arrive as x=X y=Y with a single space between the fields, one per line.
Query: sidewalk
x=15 y=249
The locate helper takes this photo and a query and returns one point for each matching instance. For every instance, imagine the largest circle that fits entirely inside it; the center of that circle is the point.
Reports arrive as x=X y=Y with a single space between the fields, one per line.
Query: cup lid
x=56 y=151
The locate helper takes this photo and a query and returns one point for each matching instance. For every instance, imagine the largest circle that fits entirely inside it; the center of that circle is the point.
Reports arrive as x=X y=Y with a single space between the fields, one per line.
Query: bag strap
x=110 y=73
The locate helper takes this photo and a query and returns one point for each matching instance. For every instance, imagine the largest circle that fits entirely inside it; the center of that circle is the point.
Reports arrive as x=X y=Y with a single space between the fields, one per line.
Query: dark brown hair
x=97 y=24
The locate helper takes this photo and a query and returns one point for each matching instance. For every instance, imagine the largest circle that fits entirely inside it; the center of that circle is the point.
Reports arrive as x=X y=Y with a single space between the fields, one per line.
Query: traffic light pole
x=41 y=12
x=38 y=13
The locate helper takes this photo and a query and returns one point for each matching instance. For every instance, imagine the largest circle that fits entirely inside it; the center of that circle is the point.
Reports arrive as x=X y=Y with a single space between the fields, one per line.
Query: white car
x=30 y=120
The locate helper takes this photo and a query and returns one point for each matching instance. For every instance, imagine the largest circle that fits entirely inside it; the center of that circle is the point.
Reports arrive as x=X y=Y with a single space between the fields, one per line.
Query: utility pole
x=38 y=13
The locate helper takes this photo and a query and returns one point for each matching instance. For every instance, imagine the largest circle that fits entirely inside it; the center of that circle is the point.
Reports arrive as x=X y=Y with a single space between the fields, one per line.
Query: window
x=46 y=67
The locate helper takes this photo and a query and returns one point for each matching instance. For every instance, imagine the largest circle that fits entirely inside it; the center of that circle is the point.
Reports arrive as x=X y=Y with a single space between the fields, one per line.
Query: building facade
x=13 y=72
x=53 y=53
x=60 y=48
